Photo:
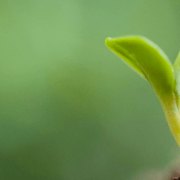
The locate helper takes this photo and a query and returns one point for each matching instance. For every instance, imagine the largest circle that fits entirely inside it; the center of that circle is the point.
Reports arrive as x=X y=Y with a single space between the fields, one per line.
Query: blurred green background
x=69 y=108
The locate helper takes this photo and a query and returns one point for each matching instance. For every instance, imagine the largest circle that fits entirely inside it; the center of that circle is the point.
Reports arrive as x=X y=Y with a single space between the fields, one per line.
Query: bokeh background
x=69 y=108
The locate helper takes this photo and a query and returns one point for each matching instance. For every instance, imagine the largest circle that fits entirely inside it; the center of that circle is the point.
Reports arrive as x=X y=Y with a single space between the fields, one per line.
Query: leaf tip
x=108 y=41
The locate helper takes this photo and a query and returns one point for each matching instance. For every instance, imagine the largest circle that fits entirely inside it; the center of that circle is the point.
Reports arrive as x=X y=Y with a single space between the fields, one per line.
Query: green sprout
x=151 y=63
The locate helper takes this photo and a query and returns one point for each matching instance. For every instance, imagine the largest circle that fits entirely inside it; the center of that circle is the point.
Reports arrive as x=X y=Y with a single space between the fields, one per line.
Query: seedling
x=151 y=63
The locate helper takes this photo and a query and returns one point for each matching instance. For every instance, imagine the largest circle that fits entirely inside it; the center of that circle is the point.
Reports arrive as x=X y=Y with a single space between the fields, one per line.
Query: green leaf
x=116 y=46
x=147 y=59
x=176 y=68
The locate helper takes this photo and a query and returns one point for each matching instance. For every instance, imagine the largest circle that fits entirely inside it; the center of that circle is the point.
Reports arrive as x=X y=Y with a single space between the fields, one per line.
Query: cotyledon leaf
x=176 y=68
x=148 y=60
x=116 y=46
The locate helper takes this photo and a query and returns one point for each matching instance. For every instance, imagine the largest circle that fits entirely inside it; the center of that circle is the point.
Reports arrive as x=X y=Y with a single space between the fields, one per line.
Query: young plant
x=151 y=63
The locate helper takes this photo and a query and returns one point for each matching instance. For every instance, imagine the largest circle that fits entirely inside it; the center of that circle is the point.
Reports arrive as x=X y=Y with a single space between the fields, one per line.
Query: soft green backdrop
x=69 y=108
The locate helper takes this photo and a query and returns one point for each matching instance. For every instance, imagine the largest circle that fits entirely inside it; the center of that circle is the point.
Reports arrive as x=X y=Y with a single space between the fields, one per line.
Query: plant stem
x=172 y=115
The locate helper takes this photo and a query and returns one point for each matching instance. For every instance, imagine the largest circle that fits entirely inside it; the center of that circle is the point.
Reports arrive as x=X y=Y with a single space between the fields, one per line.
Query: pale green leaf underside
x=176 y=65
x=176 y=68
x=147 y=59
